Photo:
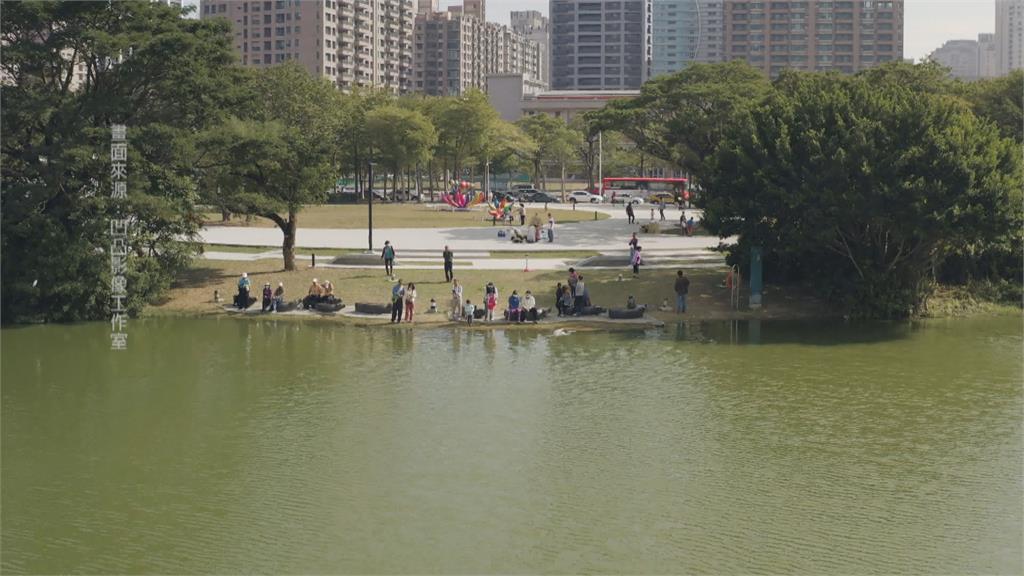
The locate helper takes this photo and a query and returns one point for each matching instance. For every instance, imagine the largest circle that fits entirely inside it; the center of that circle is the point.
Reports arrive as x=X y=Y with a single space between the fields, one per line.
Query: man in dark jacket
x=682 y=289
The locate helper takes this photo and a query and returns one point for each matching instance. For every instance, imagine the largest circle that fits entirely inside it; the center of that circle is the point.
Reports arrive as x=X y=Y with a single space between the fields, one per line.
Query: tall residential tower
x=845 y=36
x=600 y=45
x=1009 y=35
x=354 y=43
x=685 y=31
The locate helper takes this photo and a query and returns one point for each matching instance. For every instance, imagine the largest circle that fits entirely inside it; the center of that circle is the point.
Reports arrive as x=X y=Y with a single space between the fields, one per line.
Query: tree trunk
x=288 y=247
x=225 y=215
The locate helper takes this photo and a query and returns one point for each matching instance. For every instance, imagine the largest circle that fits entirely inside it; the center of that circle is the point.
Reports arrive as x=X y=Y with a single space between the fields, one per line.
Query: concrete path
x=420 y=248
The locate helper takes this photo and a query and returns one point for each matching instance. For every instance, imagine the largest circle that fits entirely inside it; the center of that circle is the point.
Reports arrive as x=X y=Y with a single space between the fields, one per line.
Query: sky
x=927 y=23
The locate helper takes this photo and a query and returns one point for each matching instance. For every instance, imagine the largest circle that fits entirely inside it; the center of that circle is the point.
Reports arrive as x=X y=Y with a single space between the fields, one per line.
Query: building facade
x=1009 y=35
x=515 y=96
x=960 y=56
x=685 y=31
x=456 y=52
x=600 y=45
x=534 y=26
x=353 y=43
x=843 y=36
x=988 y=56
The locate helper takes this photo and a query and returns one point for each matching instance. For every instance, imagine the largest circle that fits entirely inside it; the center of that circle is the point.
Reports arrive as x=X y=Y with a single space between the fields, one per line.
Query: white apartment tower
x=353 y=43
x=1009 y=35
x=534 y=26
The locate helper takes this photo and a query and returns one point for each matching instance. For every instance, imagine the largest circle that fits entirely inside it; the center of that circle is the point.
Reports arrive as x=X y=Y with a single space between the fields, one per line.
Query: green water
x=235 y=446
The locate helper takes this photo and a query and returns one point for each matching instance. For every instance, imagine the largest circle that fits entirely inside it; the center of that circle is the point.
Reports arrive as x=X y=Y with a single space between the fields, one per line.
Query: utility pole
x=487 y=179
x=600 y=161
x=369 y=206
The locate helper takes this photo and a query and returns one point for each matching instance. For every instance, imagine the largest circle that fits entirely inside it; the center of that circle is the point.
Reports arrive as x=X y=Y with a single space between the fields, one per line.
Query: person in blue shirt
x=242 y=300
x=397 y=296
x=514 y=307
x=388 y=256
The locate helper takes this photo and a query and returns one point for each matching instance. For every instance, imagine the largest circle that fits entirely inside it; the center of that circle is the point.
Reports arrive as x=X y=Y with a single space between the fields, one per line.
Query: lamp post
x=487 y=180
x=369 y=206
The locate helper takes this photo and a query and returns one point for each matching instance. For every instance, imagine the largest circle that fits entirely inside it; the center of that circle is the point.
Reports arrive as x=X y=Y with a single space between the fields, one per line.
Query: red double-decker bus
x=637 y=190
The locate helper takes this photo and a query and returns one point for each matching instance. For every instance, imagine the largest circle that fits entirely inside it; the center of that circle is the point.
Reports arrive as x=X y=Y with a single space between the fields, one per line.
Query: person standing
x=682 y=289
x=456 y=299
x=629 y=212
x=566 y=300
x=551 y=227
x=388 y=256
x=448 y=264
x=689 y=226
x=661 y=209
x=637 y=261
x=633 y=243
x=242 y=299
x=490 y=301
x=397 y=297
x=468 y=312
x=558 y=298
x=522 y=214
x=574 y=277
x=410 y=301
x=578 y=300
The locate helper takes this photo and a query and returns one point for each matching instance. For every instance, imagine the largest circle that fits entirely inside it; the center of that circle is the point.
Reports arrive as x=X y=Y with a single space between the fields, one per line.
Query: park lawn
x=193 y=292
x=354 y=216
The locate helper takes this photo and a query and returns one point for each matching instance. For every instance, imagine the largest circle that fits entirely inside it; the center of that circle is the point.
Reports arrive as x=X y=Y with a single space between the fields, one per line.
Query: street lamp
x=487 y=180
x=369 y=206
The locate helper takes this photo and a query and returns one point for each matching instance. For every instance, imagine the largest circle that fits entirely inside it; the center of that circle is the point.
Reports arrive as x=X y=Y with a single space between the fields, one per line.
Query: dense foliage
x=871 y=187
x=56 y=203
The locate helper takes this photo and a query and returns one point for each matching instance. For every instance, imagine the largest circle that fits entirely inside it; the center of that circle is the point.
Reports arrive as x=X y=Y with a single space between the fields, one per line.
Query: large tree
x=72 y=69
x=681 y=117
x=554 y=139
x=277 y=156
x=462 y=124
x=862 y=186
x=400 y=137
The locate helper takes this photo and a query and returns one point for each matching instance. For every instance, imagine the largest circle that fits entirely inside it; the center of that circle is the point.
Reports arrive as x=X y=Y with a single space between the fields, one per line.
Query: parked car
x=536 y=196
x=631 y=196
x=582 y=196
x=657 y=197
x=523 y=187
x=499 y=195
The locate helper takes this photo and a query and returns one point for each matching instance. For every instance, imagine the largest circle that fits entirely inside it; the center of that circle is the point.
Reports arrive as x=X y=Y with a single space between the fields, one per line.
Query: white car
x=630 y=196
x=582 y=196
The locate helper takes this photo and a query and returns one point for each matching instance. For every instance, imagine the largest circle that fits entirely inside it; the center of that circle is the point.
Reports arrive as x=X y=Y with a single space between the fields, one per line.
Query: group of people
x=520 y=308
x=319 y=293
x=403 y=299
x=509 y=214
x=535 y=231
x=272 y=299
x=573 y=296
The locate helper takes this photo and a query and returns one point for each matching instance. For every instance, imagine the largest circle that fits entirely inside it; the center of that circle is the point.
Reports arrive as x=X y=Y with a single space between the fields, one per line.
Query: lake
x=237 y=446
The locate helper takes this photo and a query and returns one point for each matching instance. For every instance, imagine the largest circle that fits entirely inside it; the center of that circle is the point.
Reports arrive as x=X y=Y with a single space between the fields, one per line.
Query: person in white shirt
x=410 y=301
x=529 y=307
x=468 y=312
x=456 y=299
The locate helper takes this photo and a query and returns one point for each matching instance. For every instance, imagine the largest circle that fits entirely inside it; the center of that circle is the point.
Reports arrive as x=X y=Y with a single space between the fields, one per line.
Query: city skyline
x=928 y=23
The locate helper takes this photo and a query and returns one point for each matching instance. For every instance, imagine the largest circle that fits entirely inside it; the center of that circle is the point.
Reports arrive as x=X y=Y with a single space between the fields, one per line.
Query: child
x=433 y=307
x=630 y=302
x=637 y=260
x=490 y=301
x=467 y=311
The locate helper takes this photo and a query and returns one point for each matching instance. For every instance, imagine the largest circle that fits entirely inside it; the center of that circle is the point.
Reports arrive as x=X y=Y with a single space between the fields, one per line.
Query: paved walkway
x=421 y=247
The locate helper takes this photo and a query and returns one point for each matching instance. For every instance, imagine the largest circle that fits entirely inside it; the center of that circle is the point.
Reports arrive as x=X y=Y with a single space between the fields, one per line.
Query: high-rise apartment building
x=351 y=42
x=426 y=6
x=455 y=52
x=1010 y=35
x=600 y=45
x=845 y=36
x=685 y=31
x=960 y=56
x=534 y=26
x=988 y=56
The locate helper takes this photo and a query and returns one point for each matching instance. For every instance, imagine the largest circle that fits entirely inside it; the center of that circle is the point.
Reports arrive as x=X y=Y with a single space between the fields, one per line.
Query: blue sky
x=928 y=23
